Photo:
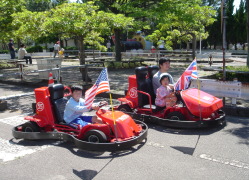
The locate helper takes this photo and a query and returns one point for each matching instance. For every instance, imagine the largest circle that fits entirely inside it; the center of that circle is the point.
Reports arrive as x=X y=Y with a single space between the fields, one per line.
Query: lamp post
x=223 y=15
x=247 y=7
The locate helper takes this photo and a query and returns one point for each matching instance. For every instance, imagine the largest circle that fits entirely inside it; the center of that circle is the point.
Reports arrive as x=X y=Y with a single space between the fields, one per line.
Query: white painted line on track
x=154 y=144
x=14 y=120
x=234 y=163
x=11 y=151
x=16 y=95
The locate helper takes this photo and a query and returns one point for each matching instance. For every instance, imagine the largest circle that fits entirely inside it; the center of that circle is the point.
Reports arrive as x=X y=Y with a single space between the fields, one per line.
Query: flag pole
x=114 y=120
x=112 y=108
x=199 y=98
x=199 y=101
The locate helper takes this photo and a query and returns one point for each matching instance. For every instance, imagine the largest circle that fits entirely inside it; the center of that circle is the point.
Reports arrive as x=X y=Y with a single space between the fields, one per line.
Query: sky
x=236 y=4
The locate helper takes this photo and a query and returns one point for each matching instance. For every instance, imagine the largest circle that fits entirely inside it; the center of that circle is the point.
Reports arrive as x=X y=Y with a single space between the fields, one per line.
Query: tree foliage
x=7 y=8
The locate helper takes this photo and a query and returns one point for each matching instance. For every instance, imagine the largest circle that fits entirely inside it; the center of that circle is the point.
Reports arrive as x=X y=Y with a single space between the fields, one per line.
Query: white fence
x=230 y=89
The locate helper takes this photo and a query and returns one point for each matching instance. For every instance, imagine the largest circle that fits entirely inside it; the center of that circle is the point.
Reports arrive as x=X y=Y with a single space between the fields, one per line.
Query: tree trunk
x=117 y=33
x=193 y=45
x=18 y=43
x=188 y=46
x=84 y=73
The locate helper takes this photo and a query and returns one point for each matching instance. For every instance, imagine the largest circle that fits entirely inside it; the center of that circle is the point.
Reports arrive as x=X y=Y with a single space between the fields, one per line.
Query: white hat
x=164 y=75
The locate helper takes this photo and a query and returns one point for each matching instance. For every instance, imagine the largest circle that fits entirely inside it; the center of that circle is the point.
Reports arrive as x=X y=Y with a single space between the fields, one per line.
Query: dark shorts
x=81 y=121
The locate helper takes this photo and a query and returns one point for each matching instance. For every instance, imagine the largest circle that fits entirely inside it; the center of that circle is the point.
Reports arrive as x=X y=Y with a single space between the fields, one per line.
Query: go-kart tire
x=95 y=136
x=30 y=127
x=176 y=115
x=124 y=108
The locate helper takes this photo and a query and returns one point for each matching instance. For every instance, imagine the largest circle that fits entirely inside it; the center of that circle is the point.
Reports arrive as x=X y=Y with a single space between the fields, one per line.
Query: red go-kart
x=193 y=108
x=118 y=131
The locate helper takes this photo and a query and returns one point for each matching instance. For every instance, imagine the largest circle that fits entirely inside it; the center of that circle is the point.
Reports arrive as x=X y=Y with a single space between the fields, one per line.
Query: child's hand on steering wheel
x=102 y=103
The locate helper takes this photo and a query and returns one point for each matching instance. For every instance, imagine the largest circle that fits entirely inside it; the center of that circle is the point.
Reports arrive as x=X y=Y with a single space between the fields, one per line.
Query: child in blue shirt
x=75 y=108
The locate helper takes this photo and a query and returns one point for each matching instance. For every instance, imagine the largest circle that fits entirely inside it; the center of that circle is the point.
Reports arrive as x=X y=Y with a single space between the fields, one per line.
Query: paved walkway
x=118 y=77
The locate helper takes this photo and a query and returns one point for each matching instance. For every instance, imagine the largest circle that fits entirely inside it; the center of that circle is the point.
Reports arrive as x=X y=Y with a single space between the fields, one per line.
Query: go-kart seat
x=144 y=84
x=152 y=70
x=58 y=101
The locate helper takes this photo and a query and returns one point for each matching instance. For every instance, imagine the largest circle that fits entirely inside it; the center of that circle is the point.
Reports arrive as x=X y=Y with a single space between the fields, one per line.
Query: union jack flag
x=189 y=73
x=101 y=85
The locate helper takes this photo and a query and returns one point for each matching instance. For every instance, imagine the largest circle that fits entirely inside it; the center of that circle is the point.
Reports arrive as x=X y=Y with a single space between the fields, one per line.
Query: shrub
x=240 y=72
x=70 y=48
x=4 y=65
x=4 y=51
x=34 y=49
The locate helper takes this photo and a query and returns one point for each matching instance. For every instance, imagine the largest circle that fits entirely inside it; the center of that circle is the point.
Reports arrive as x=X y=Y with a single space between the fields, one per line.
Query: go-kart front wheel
x=30 y=127
x=95 y=136
x=124 y=108
x=176 y=115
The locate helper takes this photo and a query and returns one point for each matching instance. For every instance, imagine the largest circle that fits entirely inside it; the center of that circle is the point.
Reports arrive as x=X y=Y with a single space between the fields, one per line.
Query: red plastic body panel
x=131 y=96
x=125 y=125
x=198 y=101
x=44 y=112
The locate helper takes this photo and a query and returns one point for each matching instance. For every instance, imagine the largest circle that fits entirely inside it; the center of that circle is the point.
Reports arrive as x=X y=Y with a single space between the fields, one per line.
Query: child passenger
x=75 y=109
x=163 y=91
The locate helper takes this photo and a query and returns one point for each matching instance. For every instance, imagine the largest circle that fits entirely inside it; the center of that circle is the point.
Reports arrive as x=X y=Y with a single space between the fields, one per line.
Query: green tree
x=214 y=30
x=7 y=8
x=38 y=5
x=240 y=24
x=230 y=23
x=82 y=21
x=182 y=21
x=213 y=3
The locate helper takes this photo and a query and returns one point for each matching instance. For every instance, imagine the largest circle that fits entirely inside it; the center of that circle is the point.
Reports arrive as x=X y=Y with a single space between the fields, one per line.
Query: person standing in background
x=108 y=46
x=12 y=49
x=56 y=48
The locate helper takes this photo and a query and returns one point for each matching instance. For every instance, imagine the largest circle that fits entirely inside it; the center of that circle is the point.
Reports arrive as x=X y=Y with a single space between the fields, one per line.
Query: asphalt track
x=217 y=153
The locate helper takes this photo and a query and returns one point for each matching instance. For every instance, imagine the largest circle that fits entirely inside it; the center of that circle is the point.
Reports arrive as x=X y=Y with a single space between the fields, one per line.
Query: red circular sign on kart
x=133 y=92
x=39 y=106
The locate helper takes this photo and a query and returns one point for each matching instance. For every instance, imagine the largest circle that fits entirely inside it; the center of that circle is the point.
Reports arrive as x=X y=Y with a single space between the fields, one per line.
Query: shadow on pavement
x=184 y=150
x=241 y=132
x=86 y=174
x=22 y=103
x=193 y=131
x=104 y=155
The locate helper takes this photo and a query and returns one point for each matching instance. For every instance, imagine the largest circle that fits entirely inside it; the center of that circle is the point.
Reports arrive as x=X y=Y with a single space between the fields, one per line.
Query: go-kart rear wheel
x=124 y=108
x=176 y=115
x=30 y=127
x=95 y=136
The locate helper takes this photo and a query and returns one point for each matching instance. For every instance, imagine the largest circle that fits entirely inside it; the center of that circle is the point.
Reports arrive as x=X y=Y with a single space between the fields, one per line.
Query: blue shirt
x=74 y=109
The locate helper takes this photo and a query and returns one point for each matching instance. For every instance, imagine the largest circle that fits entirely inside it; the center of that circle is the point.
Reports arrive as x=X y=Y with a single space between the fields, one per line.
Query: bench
x=141 y=61
x=20 y=64
x=68 y=53
x=16 y=62
x=100 y=60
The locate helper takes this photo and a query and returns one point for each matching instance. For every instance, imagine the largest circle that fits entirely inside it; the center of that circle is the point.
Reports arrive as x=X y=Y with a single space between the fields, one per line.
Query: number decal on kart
x=39 y=106
x=133 y=92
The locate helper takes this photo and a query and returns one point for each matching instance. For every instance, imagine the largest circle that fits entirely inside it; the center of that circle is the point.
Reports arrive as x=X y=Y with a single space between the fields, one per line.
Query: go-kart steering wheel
x=102 y=103
x=67 y=91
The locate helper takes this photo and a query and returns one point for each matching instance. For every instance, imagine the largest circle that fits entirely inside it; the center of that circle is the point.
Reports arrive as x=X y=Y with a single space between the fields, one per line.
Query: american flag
x=189 y=73
x=101 y=85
